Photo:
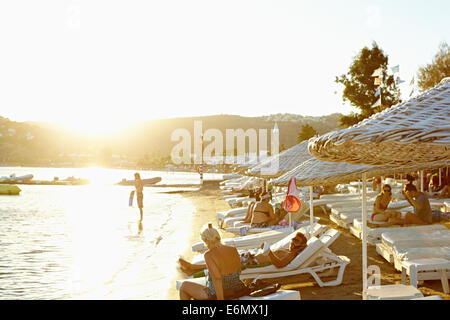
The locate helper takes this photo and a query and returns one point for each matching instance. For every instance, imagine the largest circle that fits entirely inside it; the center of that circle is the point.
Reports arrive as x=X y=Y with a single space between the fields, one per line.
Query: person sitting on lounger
x=263 y=214
x=422 y=209
x=224 y=268
x=381 y=204
x=248 y=217
x=279 y=258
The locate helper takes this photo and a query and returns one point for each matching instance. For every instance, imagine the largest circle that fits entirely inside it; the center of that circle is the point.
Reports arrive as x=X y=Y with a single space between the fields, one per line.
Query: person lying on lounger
x=279 y=258
x=381 y=204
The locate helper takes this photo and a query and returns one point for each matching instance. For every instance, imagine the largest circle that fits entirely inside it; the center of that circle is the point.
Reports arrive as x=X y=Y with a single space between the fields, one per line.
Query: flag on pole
x=377 y=72
x=292 y=203
x=377 y=103
x=377 y=81
x=396 y=69
x=399 y=81
x=378 y=92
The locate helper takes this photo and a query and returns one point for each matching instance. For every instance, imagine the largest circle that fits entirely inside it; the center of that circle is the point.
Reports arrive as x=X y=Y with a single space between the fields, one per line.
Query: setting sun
x=97 y=126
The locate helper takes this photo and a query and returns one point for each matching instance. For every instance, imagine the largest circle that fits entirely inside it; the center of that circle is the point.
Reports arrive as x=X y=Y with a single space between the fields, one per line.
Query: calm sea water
x=85 y=242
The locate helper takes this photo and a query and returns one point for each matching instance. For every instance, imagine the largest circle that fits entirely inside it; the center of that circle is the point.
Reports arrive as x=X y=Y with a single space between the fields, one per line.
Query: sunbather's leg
x=411 y=218
x=380 y=217
x=190 y=268
x=191 y=290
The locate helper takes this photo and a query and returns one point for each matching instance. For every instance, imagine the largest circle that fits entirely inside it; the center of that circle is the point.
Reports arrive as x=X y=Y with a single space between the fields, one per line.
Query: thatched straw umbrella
x=415 y=132
x=286 y=160
x=314 y=172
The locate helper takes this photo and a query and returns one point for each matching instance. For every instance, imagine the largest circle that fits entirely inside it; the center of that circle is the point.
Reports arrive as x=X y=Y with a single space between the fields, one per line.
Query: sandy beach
x=208 y=202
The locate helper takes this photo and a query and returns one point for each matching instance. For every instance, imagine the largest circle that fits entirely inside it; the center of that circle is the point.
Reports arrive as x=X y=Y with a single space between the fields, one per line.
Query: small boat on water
x=9 y=189
x=70 y=181
x=13 y=178
x=146 y=182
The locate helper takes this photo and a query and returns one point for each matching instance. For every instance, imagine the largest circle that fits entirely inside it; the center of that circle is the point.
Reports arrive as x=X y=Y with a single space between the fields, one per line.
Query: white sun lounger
x=374 y=234
x=233 y=221
x=344 y=196
x=302 y=212
x=346 y=218
x=221 y=216
x=351 y=203
x=396 y=252
x=417 y=238
x=393 y=292
x=426 y=269
x=316 y=259
x=255 y=240
x=282 y=243
x=435 y=297
x=230 y=213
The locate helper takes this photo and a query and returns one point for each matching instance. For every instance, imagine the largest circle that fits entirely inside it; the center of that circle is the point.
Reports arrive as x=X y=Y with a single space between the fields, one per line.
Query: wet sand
x=208 y=202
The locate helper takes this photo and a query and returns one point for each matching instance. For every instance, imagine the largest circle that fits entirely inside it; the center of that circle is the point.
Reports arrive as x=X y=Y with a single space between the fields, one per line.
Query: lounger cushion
x=409 y=253
x=417 y=237
x=252 y=240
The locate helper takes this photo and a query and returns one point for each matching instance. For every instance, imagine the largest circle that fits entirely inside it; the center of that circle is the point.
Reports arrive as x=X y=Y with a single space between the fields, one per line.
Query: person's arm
x=216 y=277
x=280 y=263
x=407 y=198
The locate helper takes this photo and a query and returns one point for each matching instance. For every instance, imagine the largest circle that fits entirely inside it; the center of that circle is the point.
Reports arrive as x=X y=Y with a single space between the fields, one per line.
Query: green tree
x=360 y=88
x=431 y=74
x=306 y=133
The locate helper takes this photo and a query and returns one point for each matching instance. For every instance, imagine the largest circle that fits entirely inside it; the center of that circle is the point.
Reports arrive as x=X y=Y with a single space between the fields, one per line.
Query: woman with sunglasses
x=380 y=206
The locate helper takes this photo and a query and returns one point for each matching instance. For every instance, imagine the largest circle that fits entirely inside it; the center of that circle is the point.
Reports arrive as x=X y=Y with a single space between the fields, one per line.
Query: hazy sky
x=101 y=64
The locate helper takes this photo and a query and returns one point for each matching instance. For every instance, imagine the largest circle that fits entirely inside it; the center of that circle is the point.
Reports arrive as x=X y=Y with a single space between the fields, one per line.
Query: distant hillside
x=155 y=135
x=37 y=140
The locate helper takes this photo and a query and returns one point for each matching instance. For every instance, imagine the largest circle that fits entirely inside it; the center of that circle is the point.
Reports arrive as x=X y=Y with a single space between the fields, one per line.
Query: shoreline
x=207 y=202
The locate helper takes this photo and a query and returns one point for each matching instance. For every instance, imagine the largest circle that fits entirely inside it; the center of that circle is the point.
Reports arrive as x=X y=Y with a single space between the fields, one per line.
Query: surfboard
x=130 y=201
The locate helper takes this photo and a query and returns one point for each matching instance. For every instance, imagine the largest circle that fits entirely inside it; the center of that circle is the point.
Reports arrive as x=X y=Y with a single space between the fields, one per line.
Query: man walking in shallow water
x=139 y=185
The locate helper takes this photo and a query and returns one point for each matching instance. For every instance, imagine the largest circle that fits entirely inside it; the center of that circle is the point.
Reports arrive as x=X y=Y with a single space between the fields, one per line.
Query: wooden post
x=364 y=234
